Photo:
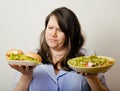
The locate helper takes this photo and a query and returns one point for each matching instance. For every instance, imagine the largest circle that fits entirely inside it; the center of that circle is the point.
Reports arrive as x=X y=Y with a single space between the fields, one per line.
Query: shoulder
x=87 y=52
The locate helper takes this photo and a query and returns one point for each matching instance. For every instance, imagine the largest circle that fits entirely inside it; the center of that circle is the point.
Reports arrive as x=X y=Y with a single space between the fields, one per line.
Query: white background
x=21 y=22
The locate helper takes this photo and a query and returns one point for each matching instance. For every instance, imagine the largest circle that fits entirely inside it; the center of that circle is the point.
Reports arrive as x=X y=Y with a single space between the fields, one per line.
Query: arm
x=26 y=77
x=93 y=80
x=95 y=83
x=23 y=83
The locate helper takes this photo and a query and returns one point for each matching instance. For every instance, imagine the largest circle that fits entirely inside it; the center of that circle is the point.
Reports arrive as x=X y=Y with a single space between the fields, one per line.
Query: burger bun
x=34 y=55
x=13 y=51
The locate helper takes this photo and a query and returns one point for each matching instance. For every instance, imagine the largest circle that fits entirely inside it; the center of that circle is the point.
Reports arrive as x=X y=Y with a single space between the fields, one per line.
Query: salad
x=90 y=61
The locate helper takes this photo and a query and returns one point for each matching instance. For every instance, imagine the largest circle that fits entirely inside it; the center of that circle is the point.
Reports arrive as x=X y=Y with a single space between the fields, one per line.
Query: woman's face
x=55 y=38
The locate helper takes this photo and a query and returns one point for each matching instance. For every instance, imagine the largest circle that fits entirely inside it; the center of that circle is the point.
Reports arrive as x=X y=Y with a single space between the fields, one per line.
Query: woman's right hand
x=24 y=69
x=26 y=77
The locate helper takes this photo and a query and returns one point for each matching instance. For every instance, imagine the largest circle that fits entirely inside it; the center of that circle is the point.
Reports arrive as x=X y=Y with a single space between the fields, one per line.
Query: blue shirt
x=45 y=79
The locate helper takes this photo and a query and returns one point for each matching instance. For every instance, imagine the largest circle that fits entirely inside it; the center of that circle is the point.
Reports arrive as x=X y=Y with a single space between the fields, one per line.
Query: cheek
x=46 y=35
x=62 y=39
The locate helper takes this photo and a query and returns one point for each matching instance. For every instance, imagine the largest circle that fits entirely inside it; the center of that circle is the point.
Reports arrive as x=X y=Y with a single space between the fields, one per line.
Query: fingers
x=16 y=67
x=26 y=68
x=23 y=68
x=87 y=74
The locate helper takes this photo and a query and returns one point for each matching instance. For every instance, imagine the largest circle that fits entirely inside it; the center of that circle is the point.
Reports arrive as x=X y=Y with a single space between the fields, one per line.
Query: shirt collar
x=50 y=71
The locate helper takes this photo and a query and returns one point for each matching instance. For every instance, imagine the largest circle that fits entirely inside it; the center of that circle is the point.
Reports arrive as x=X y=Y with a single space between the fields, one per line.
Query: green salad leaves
x=90 y=61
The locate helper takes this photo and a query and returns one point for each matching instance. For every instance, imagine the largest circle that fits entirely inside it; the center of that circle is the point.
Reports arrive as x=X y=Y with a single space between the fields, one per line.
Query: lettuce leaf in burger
x=15 y=54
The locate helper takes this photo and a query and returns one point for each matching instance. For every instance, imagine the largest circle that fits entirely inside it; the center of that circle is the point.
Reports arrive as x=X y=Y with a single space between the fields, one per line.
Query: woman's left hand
x=87 y=74
x=94 y=82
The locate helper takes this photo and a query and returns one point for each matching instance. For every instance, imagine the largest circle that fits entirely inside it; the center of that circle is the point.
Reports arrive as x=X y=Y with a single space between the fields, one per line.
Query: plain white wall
x=21 y=22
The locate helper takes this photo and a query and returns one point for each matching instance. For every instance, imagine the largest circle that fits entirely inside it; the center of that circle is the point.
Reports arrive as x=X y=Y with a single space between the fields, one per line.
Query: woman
x=60 y=40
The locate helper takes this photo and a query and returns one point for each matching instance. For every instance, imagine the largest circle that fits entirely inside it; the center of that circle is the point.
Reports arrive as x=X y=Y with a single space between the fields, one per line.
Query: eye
x=50 y=27
x=58 y=29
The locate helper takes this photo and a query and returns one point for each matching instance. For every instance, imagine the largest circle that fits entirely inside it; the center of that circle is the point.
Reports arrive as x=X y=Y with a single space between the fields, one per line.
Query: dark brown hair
x=70 y=26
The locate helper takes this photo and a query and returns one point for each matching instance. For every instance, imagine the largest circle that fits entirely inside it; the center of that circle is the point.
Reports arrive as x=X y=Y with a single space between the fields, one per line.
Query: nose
x=54 y=33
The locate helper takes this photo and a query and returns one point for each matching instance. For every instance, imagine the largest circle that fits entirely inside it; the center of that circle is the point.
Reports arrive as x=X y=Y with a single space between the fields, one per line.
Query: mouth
x=52 y=40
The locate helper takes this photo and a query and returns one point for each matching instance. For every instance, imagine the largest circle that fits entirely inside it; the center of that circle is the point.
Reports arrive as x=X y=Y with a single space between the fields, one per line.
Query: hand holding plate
x=24 y=69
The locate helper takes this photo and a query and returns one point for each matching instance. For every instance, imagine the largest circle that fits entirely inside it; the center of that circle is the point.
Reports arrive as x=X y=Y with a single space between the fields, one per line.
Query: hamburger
x=16 y=54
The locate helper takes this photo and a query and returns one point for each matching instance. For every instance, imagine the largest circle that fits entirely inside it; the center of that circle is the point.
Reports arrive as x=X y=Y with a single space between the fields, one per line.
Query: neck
x=57 y=54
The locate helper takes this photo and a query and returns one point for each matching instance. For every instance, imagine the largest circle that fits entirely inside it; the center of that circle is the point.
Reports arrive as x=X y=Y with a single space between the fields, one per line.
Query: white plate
x=18 y=62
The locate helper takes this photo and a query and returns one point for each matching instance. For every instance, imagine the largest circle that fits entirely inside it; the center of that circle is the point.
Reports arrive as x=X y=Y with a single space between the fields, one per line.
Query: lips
x=52 y=39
